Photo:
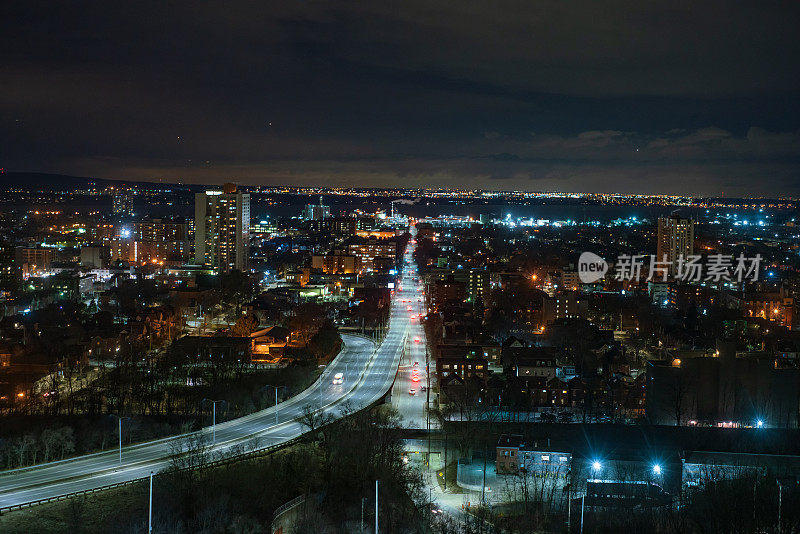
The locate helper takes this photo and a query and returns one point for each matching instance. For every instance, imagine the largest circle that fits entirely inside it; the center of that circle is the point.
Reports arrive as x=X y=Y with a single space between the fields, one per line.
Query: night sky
x=573 y=95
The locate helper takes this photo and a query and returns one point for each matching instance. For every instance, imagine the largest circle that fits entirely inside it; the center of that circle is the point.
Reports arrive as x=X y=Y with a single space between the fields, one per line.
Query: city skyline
x=433 y=267
x=352 y=324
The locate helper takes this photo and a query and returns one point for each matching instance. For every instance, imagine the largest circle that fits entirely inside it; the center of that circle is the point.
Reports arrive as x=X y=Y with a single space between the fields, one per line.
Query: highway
x=369 y=374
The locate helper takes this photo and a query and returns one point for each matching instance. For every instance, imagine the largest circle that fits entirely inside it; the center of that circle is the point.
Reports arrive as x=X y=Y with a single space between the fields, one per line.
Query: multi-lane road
x=412 y=389
x=368 y=375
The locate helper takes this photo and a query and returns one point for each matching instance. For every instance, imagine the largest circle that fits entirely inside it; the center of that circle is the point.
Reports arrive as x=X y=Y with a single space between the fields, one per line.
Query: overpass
x=369 y=373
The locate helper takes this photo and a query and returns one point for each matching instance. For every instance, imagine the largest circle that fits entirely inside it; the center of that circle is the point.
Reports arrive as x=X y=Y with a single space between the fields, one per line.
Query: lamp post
x=569 y=501
x=119 y=420
x=596 y=467
x=782 y=481
x=276 y=388
x=363 y=501
x=583 y=500
x=150 y=510
x=428 y=403
x=213 y=418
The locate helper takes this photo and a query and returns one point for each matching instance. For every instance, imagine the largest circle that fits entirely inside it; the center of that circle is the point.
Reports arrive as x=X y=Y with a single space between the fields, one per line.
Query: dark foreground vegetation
x=334 y=468
x=29 y=439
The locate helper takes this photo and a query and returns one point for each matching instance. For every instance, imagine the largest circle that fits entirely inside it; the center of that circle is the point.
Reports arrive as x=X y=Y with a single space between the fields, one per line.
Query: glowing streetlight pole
x=276 y=388
x=119 y=420
x=213 y=419
x=150 y=512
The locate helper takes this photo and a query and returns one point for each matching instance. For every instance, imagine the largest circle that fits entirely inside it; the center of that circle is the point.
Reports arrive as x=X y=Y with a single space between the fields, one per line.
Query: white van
x=338 y=378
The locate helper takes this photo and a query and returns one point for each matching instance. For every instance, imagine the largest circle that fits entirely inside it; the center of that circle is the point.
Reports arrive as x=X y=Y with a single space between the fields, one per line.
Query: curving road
x=369 y=374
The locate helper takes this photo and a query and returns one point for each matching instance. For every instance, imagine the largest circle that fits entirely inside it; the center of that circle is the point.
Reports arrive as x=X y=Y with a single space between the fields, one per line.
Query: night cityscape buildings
x=430 y=268
x=222 y=229
x=675 y=240
x=478 y=319
x=317 y=212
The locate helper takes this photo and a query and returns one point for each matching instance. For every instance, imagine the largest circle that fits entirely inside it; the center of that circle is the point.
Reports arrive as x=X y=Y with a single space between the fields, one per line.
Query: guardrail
x=282 y=509
x=288 y=506
x=208 y=465
x=174 y=437
x=215 y=463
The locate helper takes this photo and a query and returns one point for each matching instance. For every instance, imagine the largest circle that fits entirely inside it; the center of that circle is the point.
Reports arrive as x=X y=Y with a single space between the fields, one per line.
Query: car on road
x=416 y=364
x=412 y=391
x=338 y=378
x=423 y=388
x=416 y=340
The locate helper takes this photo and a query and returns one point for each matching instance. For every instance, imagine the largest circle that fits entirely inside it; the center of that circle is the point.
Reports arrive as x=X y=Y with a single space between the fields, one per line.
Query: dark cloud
x=637 y=96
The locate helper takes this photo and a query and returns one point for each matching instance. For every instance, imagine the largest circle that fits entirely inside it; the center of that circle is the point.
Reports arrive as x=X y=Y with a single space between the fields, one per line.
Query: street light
x=276 y=388
x=657 y=469
x=119 y=420
x=150 y=509
x=596 y=465
x=213 y=418
x=759 y=424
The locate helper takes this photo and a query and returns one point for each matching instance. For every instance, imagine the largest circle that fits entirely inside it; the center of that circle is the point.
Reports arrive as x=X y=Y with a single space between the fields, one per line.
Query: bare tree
x=314 y=418
x=681 y=402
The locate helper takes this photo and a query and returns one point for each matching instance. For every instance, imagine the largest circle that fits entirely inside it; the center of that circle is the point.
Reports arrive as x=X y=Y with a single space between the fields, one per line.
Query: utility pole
x=150 y=514
x=569 y=500
x=444 y=476
x=483 y=487
x=213 y=418
x=376 y=507
x=428 y=402
x=569 y=512
x=119 y=421
x=276 y=388
x=583 y=499
x=363 y=500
